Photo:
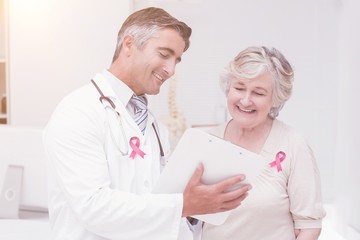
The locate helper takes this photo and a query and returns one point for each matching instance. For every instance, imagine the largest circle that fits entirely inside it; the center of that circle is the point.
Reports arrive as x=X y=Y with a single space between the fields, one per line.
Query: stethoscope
x=111 y=106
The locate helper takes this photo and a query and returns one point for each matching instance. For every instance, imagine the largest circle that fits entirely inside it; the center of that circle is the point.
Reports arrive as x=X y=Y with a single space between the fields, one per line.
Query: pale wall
x=2 y=29
x=56 y=46
x=347 y=177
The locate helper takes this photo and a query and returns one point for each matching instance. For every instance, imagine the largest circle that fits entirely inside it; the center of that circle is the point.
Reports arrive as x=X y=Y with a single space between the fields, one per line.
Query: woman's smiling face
x=250 y=100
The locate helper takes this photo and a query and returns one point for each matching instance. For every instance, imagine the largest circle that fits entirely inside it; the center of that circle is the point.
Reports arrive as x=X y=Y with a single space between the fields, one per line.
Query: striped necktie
x=140 y=111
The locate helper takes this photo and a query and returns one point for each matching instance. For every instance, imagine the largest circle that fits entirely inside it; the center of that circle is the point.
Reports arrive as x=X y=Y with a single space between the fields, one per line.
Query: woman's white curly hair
x=254 y=61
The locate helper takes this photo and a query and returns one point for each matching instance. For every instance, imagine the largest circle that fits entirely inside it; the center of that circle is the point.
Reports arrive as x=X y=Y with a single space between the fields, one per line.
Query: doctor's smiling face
x=145 y=68
x=155 y=62
x=150 y=43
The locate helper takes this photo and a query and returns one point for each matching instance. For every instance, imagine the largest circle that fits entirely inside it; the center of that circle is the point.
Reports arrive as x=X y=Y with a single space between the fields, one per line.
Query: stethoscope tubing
x=111 y=105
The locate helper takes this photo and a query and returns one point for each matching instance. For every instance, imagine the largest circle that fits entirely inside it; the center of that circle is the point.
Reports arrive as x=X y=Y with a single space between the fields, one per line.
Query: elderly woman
x=285 y=201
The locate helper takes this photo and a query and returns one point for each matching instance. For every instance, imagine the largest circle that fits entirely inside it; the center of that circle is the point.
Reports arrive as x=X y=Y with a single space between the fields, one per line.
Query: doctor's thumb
x=199 y=171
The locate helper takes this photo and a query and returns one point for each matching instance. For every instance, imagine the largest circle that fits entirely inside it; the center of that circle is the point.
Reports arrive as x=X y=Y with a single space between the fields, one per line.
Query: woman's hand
x=307 y=234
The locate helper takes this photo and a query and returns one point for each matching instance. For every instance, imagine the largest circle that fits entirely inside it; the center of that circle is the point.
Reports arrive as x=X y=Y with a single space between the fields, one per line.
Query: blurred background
x=50 y=47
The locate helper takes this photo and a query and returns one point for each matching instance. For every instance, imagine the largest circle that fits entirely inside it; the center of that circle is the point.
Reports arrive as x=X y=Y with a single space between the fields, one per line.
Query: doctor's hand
x=203 y=199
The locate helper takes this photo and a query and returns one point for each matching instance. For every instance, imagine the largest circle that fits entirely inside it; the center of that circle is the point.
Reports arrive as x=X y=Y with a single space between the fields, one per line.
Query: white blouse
x=282 y=199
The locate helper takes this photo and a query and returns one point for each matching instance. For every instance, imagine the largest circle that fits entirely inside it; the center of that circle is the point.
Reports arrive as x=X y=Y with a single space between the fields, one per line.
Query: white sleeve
x=190 y=231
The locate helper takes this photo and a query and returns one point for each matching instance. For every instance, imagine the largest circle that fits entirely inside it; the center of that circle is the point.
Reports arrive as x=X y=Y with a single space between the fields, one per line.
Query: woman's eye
x=240 y=89
x=164 y=55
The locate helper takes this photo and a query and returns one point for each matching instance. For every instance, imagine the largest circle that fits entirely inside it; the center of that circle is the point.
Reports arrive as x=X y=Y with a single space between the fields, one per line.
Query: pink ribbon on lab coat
x=280 y=156
x=135 y=147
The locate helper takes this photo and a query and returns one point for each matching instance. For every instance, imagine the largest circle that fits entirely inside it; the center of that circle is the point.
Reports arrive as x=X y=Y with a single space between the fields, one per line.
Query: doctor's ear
x=128 y=42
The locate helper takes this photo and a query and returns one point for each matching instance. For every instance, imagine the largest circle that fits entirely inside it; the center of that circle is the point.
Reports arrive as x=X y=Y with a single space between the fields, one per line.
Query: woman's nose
x=245 y=100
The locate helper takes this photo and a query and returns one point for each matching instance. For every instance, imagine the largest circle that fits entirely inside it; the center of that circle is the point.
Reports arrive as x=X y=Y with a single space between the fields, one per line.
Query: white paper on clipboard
x=221 y=160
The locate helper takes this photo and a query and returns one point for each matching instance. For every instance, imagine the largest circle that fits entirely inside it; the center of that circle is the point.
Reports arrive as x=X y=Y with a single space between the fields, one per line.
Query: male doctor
x=104 y=161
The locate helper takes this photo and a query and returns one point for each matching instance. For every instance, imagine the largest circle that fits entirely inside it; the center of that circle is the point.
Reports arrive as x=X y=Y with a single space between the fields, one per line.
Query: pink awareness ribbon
x=135 y=147
x=280 y=156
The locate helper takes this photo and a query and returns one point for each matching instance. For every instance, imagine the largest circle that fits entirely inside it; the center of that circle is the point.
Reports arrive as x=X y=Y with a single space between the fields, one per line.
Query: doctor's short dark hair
x=145 y=23
x=252 y=62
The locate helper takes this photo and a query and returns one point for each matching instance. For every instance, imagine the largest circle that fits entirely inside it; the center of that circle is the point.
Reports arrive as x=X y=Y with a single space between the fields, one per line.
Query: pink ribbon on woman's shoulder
x=280 y=156
x=135 y=147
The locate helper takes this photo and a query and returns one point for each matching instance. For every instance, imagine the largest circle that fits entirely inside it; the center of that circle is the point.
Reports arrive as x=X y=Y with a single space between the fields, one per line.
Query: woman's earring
x=273 y=112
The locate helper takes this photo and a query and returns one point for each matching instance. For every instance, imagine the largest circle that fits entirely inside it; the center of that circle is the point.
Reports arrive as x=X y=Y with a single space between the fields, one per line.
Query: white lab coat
x=95 y=192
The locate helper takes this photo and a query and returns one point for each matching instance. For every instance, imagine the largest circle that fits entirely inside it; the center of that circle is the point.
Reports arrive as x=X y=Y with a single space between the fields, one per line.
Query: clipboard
x=221 y=159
